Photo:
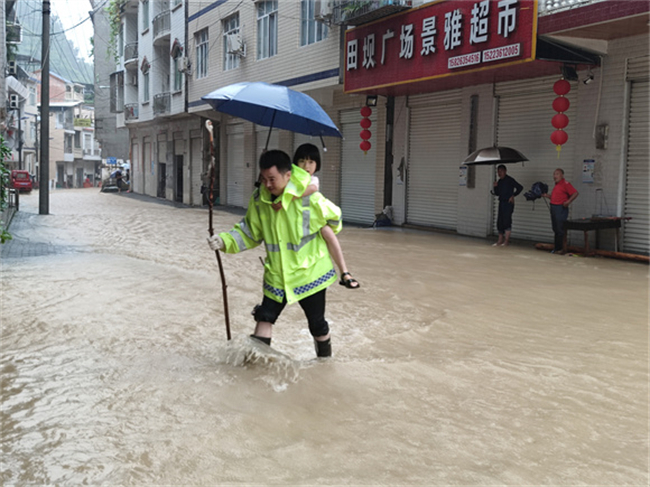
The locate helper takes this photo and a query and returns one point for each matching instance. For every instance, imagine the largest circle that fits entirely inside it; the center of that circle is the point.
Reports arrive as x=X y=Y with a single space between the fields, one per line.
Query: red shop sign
x=441 y=39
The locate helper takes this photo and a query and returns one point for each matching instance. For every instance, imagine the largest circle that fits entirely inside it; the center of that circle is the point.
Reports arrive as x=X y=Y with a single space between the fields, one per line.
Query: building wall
x=609 y=108
x=113 y=140
x=161 y=135
x=292 y=60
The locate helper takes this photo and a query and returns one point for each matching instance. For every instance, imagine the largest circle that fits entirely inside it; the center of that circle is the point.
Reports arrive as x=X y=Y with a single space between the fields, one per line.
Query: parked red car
x=21 y=180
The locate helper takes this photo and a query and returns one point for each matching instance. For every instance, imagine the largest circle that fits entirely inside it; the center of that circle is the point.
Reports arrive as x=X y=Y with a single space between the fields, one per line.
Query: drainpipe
x=388 y=152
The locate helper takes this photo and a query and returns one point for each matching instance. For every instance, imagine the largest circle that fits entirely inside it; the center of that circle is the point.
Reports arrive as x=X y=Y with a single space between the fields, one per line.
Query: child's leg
x=334 y=247
x=337 y=254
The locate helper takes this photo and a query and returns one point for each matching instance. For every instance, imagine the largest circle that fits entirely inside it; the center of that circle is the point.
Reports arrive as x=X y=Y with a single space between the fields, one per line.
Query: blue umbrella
x=273 y=106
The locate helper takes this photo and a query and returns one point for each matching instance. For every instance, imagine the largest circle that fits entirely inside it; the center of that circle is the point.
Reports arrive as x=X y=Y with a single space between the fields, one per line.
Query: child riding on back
x=307 y=157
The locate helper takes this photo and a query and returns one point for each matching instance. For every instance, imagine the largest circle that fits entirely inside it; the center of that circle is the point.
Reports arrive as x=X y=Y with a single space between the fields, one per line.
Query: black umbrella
x=495 y=155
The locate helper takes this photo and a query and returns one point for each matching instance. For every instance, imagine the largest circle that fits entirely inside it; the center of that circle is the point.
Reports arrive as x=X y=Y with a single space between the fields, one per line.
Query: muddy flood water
x=455 y=363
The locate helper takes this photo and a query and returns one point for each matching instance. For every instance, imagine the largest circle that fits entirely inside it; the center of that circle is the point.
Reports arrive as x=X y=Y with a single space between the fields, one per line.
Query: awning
x=15 y=86
x=555 y=50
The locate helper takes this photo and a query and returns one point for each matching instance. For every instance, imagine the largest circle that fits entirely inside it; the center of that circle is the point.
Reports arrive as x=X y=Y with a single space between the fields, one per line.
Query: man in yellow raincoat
x=298 y=267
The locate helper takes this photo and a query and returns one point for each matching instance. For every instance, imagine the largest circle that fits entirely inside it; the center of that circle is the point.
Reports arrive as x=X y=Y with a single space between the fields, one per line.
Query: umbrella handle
x=268 y=137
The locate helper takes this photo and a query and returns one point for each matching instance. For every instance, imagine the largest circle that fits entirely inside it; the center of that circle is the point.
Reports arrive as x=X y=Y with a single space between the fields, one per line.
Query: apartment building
x=148 y=95
x=75 y=154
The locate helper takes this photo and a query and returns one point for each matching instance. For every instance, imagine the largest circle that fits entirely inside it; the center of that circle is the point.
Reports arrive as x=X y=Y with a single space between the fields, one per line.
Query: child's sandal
x=350 y=282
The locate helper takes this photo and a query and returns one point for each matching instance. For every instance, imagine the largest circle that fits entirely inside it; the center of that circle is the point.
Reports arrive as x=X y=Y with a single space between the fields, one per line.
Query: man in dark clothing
x=506 y=188
x=118 y=180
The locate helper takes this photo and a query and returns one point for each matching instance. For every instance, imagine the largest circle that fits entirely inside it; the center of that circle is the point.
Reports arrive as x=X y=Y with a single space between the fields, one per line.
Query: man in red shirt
x=561 y=197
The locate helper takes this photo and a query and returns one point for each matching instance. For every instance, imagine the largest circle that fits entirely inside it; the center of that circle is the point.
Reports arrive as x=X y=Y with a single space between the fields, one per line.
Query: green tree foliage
x=4 y=188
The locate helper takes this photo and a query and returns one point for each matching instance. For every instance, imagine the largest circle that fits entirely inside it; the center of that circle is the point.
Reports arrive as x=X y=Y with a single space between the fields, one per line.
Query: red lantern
x=560 y=121
x=561 y=87
x=559 y=137
x=561 y=104
x=365 y=133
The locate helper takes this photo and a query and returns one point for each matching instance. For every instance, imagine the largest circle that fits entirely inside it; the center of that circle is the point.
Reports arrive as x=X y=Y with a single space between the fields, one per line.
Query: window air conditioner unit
x=14 y=102
x=12 y=68
x=323 y=11
x=183 y=64
x=14 y=33
x=235 y=45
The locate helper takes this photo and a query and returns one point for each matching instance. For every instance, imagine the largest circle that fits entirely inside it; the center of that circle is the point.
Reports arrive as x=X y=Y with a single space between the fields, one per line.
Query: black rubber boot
x=323 y=349
x=262 y=339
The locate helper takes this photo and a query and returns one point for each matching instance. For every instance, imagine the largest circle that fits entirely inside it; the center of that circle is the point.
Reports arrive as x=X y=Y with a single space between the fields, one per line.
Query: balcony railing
x=357 y=12
x=130 y=111
x=162 y=103
x=547 y=7
x=161 y=25
x=92 y=152
x=130 y=51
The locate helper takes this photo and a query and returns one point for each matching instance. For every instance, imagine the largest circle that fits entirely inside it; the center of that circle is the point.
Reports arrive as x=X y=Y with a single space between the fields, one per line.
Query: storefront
x=434 y=59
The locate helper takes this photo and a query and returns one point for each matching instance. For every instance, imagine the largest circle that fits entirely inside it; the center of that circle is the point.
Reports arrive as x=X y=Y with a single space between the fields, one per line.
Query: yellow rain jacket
x=297 y=262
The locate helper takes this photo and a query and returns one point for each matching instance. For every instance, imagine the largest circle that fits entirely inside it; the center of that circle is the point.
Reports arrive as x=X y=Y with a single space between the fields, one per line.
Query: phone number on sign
x=501 y=53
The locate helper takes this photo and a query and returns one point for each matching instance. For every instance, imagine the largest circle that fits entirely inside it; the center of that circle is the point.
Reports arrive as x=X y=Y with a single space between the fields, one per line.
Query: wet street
x=455 y=363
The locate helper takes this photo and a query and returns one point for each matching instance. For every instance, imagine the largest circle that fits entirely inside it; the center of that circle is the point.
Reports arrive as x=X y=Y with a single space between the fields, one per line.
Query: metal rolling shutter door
x=357 y=170
x=235 y=165
x=636 y=232
x=524 y=123
x=432 y=186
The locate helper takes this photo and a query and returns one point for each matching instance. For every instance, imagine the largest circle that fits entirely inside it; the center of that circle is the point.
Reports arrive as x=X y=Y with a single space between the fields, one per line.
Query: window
x=145 y=14
x=310 y=30
x=201 y=39
x=177 y=75
x=77 y=140
x=230 y=27
x=267 y=29
x=145 y=87
x=32 y=96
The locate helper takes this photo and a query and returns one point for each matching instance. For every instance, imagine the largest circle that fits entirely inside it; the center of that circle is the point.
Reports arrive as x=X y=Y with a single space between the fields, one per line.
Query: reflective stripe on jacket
x=297 y=262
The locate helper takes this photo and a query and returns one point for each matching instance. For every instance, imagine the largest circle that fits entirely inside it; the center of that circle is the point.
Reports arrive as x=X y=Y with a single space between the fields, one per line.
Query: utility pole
x=44 y=179
x=20 y=139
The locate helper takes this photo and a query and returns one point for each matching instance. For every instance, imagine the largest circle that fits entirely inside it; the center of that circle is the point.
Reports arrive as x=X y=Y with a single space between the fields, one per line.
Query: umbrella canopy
x=495 y=155
x=273 y=106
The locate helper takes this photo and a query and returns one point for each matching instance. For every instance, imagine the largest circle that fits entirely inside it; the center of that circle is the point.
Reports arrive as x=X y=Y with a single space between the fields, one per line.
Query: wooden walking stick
x=224 y=286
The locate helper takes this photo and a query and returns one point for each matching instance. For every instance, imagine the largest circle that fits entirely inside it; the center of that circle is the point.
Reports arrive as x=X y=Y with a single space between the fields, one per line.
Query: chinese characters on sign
x=438 y=40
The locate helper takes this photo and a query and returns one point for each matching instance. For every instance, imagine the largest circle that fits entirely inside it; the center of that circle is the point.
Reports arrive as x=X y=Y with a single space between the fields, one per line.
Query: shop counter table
x=587 y=224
